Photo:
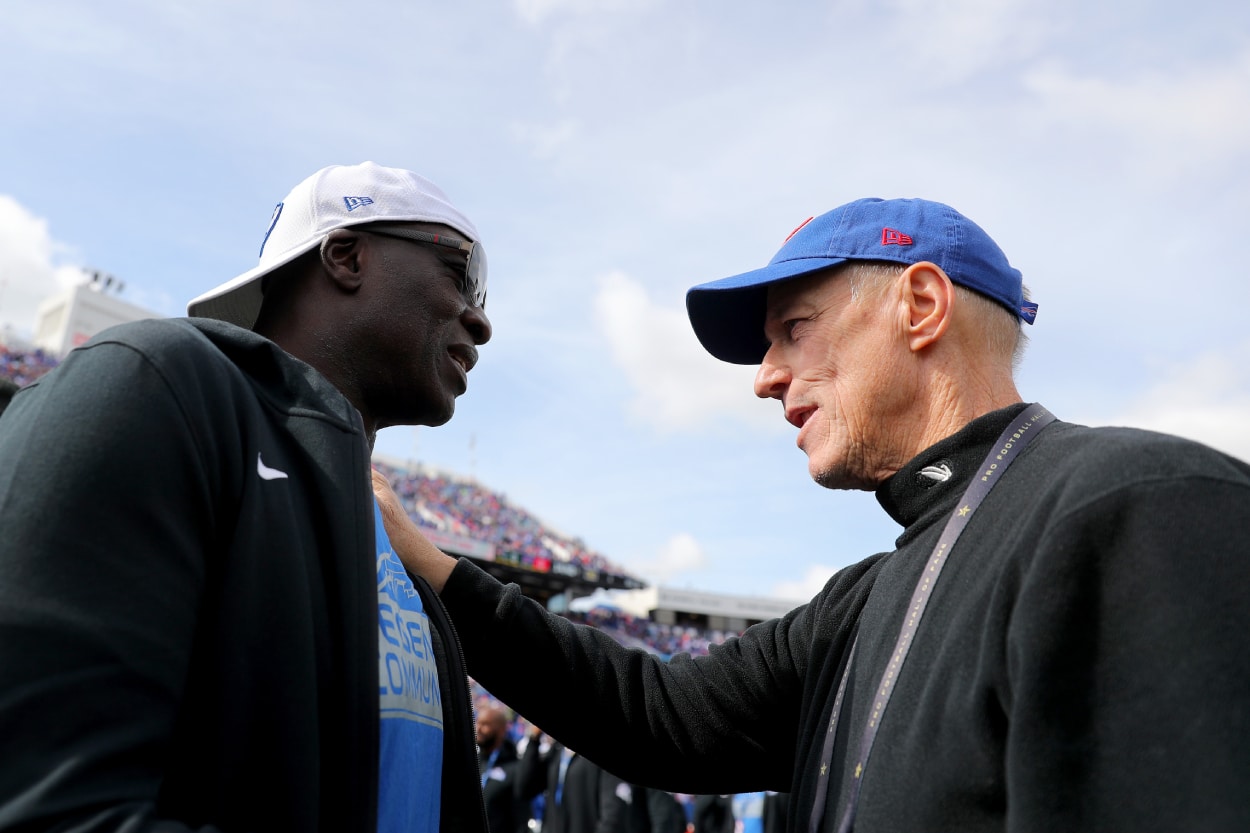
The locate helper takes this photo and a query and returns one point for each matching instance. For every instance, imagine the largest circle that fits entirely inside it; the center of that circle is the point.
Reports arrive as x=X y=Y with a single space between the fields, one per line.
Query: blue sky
x=614 y=152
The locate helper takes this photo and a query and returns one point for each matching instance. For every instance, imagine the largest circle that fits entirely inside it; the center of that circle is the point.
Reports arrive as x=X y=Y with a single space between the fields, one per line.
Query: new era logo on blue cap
x=894 y=237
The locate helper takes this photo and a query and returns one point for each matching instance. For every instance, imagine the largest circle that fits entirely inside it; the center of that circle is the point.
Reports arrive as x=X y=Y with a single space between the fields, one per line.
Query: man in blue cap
x=1056 y=641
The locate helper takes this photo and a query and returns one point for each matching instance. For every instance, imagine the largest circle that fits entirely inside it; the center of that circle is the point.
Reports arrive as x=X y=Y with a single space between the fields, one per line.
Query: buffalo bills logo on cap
x=357 y=202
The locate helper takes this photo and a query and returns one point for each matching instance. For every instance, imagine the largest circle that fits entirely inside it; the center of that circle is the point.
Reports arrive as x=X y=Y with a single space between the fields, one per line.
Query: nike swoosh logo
x=267 y=473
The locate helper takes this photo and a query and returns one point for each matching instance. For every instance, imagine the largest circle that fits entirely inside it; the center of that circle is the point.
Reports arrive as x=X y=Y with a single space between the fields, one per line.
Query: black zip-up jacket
x=1081 y=664
x=188 y=598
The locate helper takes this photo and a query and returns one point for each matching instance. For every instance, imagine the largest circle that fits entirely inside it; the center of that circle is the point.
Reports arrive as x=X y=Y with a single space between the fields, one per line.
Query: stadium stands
x=467 y=510
x=660 y=639
x=25 y=366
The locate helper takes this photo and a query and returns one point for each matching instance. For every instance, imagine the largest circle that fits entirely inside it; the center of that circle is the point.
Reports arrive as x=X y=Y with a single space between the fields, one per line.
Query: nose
x=477 y=323
x=772 y=378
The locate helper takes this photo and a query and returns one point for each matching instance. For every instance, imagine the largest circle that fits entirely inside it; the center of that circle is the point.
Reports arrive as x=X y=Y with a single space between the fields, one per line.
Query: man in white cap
x=1058 y=641
x=202 y=623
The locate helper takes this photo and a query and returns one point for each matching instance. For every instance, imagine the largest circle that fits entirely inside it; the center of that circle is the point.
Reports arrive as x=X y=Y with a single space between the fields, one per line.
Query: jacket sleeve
x=1127 y=663
x=104 y=506
x=726 y=722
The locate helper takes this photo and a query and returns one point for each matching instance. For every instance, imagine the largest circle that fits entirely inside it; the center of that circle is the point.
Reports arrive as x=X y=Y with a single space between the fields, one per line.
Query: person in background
x=578 y=795
x=506 y=808
x=203 y=625
x=713 y=814
x=655 y=811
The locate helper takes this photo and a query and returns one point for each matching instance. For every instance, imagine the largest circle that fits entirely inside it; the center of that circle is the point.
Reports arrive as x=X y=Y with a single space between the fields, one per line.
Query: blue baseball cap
x=728 y=314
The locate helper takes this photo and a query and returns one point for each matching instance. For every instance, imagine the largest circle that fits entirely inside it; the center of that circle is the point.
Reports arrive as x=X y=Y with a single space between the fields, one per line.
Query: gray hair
x=1001 y=331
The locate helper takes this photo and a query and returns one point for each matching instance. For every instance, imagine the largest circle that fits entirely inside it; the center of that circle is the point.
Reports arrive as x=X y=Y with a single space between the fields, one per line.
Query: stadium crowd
x=470 y=510
x=24 y=366
x=467 y=509
x=658 y=638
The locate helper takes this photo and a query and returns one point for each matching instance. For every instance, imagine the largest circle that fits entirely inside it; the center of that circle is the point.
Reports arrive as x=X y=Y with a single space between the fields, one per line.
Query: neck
x=950 y=407
x=320 y=356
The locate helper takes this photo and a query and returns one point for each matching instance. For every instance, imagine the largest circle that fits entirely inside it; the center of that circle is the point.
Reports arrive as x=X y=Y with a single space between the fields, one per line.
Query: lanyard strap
x=1009 y=444
x=566 y=757
x=490 y=763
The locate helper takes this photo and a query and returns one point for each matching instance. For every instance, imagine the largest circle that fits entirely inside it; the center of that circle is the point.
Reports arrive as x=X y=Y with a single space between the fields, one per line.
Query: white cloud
x=680 y=554
x=1206 y=399
x=805 y=588
x=676 y=384
x=949 y=42
x=28 y=271
x=545 y=141
x=1178 y=121
x=535 y=11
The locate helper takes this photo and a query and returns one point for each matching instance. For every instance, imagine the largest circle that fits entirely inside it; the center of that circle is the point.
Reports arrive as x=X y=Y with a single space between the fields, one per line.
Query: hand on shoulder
x=416 y=551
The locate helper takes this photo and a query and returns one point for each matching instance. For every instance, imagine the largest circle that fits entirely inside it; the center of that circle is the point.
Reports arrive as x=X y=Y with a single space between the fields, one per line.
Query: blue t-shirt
x=411 y=750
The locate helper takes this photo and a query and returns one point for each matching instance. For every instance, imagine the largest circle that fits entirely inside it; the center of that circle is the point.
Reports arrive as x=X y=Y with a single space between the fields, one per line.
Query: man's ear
x=930 y=298
x=342 y=257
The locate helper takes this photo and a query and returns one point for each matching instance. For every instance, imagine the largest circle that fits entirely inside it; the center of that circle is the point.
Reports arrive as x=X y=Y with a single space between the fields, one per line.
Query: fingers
x=416 y=552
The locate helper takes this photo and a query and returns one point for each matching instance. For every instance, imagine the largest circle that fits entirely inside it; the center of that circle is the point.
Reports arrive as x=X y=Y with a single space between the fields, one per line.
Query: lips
x=463 y=355
x=797 y=415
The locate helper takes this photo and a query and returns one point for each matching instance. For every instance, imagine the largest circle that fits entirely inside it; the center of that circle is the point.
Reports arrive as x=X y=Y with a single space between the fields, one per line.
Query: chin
x=827 y=476
x=430 y=414
x=833 y=476
x=829 y=480
x=440 y=419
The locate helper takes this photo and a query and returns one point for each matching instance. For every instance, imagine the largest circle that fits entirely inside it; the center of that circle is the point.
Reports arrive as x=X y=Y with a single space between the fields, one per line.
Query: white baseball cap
x=334 y=197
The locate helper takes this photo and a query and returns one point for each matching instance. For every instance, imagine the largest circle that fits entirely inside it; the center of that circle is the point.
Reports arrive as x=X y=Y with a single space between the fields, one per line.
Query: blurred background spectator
x=24 y=366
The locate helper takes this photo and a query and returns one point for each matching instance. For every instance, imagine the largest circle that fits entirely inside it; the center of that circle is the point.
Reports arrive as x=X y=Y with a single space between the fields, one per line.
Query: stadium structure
x=69 y=318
